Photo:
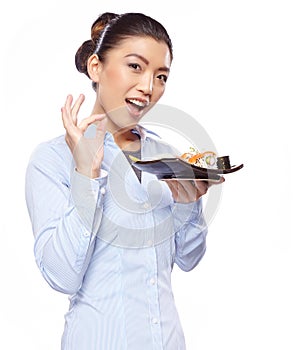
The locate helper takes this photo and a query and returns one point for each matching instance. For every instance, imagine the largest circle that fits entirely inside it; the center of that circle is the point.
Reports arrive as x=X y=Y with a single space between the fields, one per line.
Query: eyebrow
x=142 y=58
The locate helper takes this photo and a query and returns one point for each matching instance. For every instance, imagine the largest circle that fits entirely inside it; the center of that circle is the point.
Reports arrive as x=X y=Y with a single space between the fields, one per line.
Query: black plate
x=176 y=168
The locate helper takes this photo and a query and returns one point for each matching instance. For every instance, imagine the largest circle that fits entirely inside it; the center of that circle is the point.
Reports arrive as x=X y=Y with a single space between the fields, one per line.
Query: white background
x=233 y=71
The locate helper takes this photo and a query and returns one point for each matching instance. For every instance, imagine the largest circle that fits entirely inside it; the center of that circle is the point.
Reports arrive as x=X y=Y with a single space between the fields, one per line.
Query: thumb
x=101 y=124
x=90 y=120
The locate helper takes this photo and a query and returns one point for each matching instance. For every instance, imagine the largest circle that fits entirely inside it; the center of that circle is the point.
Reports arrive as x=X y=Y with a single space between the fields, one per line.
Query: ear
x=94 y=66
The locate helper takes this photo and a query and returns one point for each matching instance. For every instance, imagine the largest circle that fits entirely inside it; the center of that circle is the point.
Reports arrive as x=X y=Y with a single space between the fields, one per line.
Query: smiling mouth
x=136 y=105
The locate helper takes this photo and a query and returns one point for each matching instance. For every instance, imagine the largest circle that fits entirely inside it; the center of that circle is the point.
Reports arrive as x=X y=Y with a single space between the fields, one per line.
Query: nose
x=145 y=85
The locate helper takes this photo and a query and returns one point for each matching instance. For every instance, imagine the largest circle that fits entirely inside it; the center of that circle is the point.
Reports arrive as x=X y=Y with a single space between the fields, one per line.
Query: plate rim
x=193 y=166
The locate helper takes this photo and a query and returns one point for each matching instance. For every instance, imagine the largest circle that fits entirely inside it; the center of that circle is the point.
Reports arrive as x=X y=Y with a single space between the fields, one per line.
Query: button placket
x=153 y=298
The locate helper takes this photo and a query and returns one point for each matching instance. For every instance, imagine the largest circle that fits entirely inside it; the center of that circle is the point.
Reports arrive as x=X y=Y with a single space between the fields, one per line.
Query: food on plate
x=206 y=159
x=223 y=162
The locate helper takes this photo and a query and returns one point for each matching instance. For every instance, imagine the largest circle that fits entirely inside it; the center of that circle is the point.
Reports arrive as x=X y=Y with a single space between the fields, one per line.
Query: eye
x=134 y=66
x=162 y=77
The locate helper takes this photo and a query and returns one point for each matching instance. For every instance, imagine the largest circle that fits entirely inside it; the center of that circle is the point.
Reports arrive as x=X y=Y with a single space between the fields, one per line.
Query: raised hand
x=87 y=152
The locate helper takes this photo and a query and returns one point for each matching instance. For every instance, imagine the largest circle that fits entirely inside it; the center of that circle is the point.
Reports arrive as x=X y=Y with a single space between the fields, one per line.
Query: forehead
x=152 y=50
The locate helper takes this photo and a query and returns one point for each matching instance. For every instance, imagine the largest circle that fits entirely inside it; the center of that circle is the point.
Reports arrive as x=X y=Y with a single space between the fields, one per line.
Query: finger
x=220 y=181
x=188 y=189
x=76 y=108
x=72 y=132
x=174 y=187
x=68 y=103
x=201 y=186
x=101 y=126
x=85 y=123
x=65 y=111
x=66 y=119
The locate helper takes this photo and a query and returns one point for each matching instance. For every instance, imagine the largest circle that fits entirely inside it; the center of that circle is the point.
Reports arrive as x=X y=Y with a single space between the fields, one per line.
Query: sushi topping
x=205 y=159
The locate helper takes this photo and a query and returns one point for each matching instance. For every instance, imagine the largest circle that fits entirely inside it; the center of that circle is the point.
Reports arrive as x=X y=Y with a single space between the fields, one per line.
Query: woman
x=107 y=234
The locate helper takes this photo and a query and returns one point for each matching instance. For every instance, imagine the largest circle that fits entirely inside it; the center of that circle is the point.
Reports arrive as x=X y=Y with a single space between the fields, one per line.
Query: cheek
x=110 y=84
x=118 y=79
x=157 y=93
x=113 y=75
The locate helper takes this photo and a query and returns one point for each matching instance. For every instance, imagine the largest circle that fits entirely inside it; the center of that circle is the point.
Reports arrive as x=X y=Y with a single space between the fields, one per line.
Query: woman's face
x=131 y=79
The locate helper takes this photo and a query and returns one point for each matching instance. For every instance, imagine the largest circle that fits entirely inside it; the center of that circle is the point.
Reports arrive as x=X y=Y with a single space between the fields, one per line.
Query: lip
x=140 y=99
x=134 y=110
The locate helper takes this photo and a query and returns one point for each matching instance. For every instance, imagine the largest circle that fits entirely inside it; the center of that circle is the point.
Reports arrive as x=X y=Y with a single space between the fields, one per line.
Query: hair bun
x=89 y=46
x=82 y=55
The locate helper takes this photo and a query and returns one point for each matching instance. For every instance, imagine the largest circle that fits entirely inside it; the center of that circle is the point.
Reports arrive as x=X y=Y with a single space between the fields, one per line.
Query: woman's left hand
x=187 y=191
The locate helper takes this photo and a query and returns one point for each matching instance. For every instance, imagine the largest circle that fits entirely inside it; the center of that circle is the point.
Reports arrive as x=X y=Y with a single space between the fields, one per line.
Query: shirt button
x=149 y=243
x=146 y=205
x=87 y=234
x=154 y=320
x=152 y=281
x=102 y=190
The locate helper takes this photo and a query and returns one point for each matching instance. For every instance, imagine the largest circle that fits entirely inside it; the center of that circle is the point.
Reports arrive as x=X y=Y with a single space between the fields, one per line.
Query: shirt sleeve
x=65 y=211
x=190 y=236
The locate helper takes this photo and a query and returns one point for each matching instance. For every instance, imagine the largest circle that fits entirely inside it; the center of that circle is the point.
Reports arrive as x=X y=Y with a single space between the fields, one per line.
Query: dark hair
x=109 y=29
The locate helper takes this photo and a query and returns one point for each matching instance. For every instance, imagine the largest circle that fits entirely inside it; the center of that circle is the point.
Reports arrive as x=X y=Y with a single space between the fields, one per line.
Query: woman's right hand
x=87 y=152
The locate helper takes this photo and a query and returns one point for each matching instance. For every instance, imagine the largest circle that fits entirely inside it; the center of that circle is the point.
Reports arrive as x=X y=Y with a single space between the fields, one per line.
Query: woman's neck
x=123 y=137
x=127 y=140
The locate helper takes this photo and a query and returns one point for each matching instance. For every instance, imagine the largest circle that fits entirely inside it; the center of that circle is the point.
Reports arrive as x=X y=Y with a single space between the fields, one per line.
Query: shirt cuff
x=184 y=213
x=87 y=196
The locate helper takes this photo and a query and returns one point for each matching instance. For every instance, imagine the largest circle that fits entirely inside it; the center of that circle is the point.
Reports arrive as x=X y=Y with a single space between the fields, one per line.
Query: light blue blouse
x=110 y=243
